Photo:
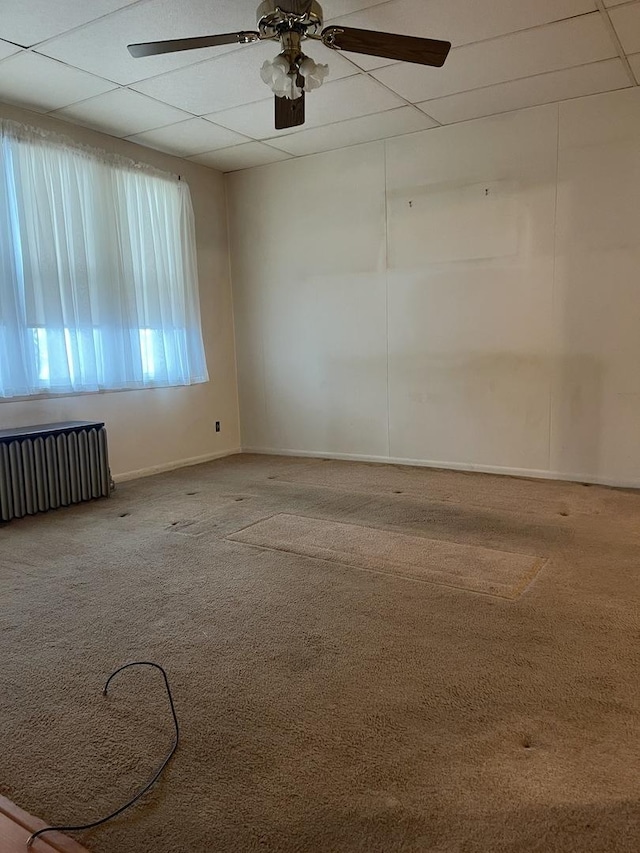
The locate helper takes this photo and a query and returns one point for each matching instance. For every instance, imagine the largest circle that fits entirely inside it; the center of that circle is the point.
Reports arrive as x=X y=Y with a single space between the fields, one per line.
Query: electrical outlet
x=217 y=426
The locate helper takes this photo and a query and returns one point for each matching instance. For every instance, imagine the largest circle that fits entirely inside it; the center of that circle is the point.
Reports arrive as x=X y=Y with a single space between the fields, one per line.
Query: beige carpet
x=412 y=557
x=329 y=704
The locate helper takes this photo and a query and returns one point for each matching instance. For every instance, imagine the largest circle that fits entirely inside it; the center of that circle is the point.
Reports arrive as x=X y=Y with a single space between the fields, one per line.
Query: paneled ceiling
x=68 y=58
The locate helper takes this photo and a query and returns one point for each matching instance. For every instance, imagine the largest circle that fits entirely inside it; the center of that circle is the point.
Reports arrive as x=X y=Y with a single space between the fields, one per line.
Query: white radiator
x=52 y=465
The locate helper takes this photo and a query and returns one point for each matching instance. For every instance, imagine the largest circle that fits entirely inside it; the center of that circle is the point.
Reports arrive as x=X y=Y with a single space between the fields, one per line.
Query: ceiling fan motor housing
x=276 y=17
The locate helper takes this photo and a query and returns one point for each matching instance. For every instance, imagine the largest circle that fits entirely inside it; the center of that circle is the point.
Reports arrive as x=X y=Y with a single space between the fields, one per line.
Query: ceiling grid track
x=604 y=12
x=407 y=103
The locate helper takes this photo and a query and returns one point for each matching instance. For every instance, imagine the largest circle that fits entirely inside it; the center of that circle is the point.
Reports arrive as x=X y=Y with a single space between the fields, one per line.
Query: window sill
x=66 y=394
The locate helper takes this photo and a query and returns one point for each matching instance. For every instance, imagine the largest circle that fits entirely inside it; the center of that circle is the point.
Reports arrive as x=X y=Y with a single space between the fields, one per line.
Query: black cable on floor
x=149 y=785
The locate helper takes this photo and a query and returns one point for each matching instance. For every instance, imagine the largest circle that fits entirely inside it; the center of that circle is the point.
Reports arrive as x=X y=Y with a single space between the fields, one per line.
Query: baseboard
x=16 y=825
x=532 y=473
x=173 y=466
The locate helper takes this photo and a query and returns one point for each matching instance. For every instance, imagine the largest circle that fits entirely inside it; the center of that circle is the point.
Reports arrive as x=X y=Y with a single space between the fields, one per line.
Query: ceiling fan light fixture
x=273 y=69
x=280 y=78
x=313 y=73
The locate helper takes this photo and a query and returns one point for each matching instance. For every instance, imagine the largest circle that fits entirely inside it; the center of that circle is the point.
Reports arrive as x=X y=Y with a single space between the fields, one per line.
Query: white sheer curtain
x=98 y=276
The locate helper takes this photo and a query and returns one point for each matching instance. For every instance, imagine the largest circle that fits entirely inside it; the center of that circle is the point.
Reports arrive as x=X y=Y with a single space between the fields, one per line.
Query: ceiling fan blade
x=389 y=45
x=289 y=113
x=151 y=48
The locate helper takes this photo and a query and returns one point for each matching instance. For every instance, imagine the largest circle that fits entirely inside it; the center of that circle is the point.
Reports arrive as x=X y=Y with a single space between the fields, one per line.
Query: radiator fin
x=28 y=467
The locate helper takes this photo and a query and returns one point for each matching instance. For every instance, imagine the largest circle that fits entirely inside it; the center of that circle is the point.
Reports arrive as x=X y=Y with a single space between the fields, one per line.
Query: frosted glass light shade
x=282 y=80
x=313 y=74
x=276 y=75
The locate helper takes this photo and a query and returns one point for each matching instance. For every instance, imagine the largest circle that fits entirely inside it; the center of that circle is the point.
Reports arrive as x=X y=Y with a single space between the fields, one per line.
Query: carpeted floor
x=326 y=705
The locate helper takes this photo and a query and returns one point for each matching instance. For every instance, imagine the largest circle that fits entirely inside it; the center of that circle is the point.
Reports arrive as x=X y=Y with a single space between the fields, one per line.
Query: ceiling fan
x=291 y=73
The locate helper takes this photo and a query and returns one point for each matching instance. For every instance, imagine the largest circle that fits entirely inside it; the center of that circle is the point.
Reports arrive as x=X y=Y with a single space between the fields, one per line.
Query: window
x=98 y=276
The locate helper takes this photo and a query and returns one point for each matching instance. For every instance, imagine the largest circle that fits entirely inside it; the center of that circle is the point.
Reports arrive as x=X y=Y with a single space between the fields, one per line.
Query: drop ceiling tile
x=626 y=20
x=354 y=131
x=635 y=64
x=101 y=47
x=615 y=2
x=216 y=84
x=190 y=137
x=334 y=8
x=367 y=63
x=31 y=21
x=255 y=120
x=241 y=157
x=121 y=113
x=230 y=80
x=42 y=84
x=7 y=49
x=333 y=102
x=339 y=67
x=463 y=22
x=549 y=48
x=530 y=91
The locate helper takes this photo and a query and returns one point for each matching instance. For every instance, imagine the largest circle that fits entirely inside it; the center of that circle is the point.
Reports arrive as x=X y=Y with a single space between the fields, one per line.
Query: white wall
x=466 y=296
x=160 y=428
